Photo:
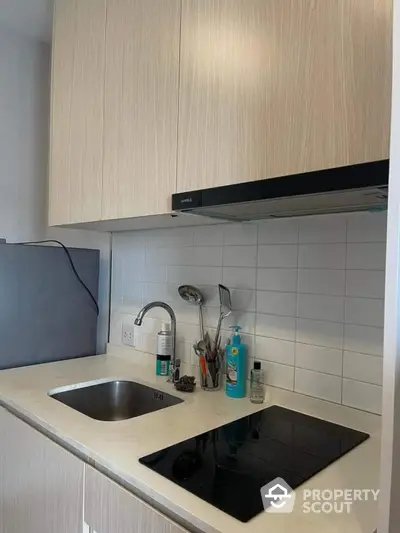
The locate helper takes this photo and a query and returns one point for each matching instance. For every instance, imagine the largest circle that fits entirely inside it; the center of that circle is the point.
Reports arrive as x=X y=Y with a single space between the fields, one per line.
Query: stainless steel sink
x=115 y=400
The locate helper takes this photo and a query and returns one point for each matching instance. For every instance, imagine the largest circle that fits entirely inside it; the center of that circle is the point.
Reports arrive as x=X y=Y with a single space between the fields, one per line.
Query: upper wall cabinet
x=141 y=107
x=114 y=114
x=78 y=62
x=272 y=87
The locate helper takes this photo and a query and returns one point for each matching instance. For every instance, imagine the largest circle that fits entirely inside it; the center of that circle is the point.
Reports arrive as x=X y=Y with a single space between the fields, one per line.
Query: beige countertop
x=115 y=447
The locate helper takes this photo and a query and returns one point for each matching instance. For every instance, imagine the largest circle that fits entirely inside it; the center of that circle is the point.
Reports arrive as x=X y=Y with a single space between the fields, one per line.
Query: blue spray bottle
x=236 y=366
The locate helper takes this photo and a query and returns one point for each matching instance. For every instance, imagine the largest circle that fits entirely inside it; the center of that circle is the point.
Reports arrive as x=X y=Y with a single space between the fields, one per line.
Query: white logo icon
x=278 y=496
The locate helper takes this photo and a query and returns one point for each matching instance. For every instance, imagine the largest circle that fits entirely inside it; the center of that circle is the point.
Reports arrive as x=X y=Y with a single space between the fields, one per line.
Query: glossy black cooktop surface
x=227 y=466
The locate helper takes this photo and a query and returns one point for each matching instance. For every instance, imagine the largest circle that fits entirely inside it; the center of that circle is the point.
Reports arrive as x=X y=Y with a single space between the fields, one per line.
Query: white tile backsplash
x=320 y=307
x=362 y=227
x=240 y=234
x=278 y=327
x=283 y=231
x=239 y=278
x=319 y=333
x=364 y=396
x=364 y=339
x=326 y=360
x=277 y=256
x=277 y=303
x=275 y=350
x=361 y=367
x=331 y=256
x=277 y=279
x=277 y=375
x=366 y=256
x=322 y=229
x=365 y=283
x=323 y=386
x=308 y=293
x=364 y=311
x=328 y=282
x=240 y=256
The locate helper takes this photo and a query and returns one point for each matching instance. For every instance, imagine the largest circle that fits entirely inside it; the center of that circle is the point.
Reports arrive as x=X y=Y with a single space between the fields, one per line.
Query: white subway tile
x=322 y=229
x=247 y=321
x=239 y=278
x=319 y=281
x=361 y=367
x=367 y=256
x=240 y=256
x=132 y=294
x=326 y=360
x=327 y=308
x=181 y=236
x=155 y=273
x=364 y=311
x=183 y=352
x=188 y=333
x=277 y=256
x=362 y=396
x=212 y=235
x=240 y=234
x=156 y=292
x=364 y=339
x=277 y=375
x=275 y=350
x=322 y=386
x=283 y=231
x=207 y=256
x=177 y=256
x=367 y=227
x=319 y=333
x=276 y=303
x=365 y=283
x=194 y=275
x=277 y=279
x=243 y=299
x=331 y=256
x=278 y=327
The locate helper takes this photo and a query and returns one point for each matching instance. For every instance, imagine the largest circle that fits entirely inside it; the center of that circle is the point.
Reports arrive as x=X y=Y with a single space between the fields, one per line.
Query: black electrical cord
x=72 y=266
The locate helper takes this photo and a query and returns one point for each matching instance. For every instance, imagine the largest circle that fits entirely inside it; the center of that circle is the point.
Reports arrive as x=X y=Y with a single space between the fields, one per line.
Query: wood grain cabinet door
x=77 y=102
x=111 y=509
x=141 y=107
x=41 y=484
x=273 y=87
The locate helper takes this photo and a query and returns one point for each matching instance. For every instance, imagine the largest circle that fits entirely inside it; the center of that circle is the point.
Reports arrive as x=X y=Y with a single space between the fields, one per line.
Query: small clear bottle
x=257 y=387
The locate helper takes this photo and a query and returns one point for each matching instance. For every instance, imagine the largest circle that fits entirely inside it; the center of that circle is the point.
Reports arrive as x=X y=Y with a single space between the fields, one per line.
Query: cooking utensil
x=225 y=311
x=202 y=358
x=192 y=295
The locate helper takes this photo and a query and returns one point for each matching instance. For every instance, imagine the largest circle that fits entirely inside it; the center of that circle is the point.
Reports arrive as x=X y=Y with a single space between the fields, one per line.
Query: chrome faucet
x=175 y=363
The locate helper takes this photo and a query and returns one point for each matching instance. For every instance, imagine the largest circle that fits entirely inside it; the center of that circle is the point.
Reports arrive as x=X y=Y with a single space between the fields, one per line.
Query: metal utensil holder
x=213 y=379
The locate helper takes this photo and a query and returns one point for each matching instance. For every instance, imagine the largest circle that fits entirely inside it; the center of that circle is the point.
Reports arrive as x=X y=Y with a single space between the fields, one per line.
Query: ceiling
x=32 y=18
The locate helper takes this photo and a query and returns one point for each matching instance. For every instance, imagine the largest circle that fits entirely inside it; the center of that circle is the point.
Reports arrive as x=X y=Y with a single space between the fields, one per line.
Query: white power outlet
x=128 y=334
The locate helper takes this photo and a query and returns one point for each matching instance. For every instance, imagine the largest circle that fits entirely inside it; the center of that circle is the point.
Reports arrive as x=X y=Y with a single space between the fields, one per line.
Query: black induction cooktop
x=227 y=466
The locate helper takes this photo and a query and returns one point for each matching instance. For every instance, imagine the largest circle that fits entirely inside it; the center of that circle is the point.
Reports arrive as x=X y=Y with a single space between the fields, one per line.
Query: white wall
x=24 y=147
x=390 y=456
x=24 y=82
x=308 y=293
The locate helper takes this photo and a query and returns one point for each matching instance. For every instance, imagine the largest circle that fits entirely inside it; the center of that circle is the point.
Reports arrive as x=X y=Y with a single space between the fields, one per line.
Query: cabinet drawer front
x=111 y=509
x=41 y=484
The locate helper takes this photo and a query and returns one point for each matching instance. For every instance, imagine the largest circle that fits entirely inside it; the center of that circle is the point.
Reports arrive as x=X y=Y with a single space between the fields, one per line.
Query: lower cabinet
x=111 y=509
x=46 y=489
x=41 y=484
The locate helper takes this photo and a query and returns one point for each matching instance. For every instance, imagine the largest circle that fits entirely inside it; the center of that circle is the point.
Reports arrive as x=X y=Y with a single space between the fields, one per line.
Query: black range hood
x=360 y=187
